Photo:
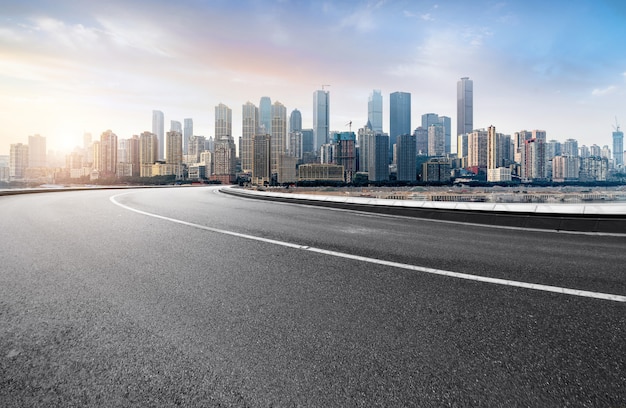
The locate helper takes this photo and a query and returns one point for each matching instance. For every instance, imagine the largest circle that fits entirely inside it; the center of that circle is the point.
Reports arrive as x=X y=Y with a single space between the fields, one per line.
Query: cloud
x=362 y=19
x=604 y=91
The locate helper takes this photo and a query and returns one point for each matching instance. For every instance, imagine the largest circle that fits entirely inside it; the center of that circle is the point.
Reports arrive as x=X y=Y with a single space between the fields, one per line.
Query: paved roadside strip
x=606 y=219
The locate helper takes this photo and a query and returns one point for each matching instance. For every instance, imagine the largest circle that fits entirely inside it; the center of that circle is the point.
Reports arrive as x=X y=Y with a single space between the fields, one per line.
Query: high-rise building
x=18 y=161
x=176 y=126
x=436 y=140
x=158 y=129
x=133 y=155
x=363 y=142
x=570 y=148
x=378 y=160
x=174 y=151
x=618 y=147
x=295 y=121
x=477 y=149
x=223 y=122
x=519 y=140
x=399 y=117
x=261 y=166
x=565 y=168
x=108 y=154
x=225 y=160
x=345 y=153
x=279 y=137
x=375 y=110
x=421 y=140
x=265 y=115
x=464 y=106
x=249 y=128
x=321 y=118
x=36 y=151
x=187 y=134
x=534 y=161
x=405 y=158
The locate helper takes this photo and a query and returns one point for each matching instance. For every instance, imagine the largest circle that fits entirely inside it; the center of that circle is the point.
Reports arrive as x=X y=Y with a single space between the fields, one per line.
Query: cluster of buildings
x=274 y=147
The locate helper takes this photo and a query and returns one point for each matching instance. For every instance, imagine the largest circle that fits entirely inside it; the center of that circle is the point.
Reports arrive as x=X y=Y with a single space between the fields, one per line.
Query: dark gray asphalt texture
x=102 y=306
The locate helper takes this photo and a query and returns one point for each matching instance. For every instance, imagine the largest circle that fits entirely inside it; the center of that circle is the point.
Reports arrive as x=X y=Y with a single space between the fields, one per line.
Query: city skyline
x=69 y=69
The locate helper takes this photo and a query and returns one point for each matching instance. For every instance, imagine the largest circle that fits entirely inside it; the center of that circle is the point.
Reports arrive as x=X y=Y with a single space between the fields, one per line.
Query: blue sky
x=66 y=68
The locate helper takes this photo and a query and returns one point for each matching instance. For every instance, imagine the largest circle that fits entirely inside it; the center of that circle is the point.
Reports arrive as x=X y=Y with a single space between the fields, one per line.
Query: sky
x=70 y=67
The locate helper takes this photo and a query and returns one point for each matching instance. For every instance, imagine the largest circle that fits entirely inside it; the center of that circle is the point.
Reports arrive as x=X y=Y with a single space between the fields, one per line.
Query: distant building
x=223 y=122
x=375 y=110
x=249 y=128
x=261 y=165
x=225 y=160
x=593 y=169
x=36 y=151
x=279 y=137
x=265 y=115
x=618 y=147
x=405 y=161
x=477 y=149
x=321 y=118
x=565 y=168
x=158 y=129
x=345 y=153
x=436 y=170
x=465 y=106
x=295 y=121
x=421 y=141
x=187 y=134
x=399 y=117
x=108 y=155
x=319 y=171
x=436 y=140
x=570 y=148
x=378 y=157
x=148 y=153
x=18 y=161
x=534 y=161
x=174 y=151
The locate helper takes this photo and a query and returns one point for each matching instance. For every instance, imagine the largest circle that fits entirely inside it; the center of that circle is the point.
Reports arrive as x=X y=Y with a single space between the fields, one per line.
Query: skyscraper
x=249 y=128
x=265 y=114
x=36 y=151
x=174 y=151
x=399 y=117
x=618 y=147
x=223 y=122
x=375 y=110
x=405 y=162
x=464 y=106
x=158 y=129
x=18 y=161
x=176 y=126
x=279 y=136
x=295 y=121
x=108 y=154
x=378 y=160
x=321 y=116
x=187 y=134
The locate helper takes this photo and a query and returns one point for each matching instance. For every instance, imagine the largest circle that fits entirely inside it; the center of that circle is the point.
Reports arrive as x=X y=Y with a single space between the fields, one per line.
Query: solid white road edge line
x=458 y=275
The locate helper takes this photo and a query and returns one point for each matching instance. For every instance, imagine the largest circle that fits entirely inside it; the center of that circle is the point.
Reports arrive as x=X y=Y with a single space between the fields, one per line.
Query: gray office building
x=464 y=106
x=399 y=117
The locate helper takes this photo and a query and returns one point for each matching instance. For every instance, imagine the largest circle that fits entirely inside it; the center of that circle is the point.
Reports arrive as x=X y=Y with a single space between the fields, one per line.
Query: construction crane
x=324 y=86
x=616 y=127
x=350 y=125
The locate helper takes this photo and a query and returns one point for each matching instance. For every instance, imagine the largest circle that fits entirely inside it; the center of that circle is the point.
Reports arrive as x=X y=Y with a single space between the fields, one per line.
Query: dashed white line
x=458 y=275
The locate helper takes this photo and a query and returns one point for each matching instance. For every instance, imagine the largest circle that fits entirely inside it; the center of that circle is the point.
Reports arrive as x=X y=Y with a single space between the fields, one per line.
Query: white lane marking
x=458 y=275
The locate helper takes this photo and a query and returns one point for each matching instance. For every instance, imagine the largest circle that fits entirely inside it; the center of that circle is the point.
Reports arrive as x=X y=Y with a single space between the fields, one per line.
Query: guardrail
x=591 y=218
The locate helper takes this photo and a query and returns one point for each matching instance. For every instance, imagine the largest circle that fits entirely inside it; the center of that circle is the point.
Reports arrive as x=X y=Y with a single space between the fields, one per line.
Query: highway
x=190 y=297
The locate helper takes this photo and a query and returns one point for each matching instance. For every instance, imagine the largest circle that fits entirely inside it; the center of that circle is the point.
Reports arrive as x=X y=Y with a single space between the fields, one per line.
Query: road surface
x=189 y=297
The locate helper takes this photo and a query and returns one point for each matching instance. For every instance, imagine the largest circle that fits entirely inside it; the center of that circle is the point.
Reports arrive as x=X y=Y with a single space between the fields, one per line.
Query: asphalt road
x=204 y=299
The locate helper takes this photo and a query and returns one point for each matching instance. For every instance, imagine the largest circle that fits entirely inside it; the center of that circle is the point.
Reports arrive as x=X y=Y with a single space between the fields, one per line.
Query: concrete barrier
x=590 y=218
